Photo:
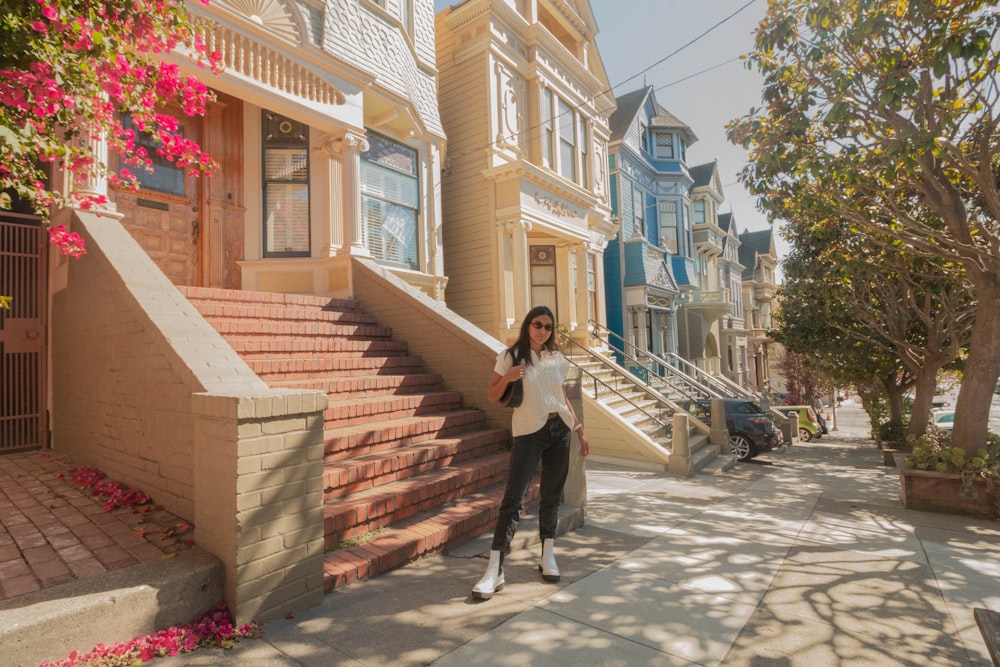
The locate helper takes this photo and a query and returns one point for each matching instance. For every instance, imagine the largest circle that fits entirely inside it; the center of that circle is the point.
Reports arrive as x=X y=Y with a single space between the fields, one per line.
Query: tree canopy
x=883 y=115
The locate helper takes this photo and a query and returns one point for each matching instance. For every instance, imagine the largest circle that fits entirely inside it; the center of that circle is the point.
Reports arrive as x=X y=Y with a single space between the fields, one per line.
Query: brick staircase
x=406 y=468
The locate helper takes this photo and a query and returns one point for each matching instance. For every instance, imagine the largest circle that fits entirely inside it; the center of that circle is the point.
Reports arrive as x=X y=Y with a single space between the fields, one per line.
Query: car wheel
x=804 y=435
x=740 y=447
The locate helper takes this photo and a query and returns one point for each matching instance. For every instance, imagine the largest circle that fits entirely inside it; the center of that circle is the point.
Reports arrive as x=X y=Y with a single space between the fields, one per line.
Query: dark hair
x=521 y=349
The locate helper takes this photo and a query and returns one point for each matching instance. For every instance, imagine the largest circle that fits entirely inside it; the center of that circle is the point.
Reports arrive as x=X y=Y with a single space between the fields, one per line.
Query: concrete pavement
x=798 y=559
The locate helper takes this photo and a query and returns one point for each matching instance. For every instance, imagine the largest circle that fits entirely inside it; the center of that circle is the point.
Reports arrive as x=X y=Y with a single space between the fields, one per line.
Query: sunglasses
x=539 y=325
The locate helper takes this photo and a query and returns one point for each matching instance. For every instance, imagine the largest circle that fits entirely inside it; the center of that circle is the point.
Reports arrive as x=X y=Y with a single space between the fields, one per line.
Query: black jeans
x=550 y=444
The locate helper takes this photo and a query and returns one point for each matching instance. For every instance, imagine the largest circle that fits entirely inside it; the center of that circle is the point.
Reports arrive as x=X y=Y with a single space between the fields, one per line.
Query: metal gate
x=23 y=254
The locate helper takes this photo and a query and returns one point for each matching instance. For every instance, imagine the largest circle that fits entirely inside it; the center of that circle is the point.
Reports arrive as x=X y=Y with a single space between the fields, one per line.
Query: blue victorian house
x=648 y=265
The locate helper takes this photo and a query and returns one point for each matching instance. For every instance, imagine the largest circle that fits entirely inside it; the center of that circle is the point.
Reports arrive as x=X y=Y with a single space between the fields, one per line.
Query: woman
x=541 y=427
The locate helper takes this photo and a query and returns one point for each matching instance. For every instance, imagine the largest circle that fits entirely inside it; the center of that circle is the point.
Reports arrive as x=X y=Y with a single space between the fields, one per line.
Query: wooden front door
x=23 y=255
x=192 y=228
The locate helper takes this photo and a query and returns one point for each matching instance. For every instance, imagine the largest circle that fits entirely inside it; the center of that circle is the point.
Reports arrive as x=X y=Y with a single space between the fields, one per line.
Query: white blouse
x=543 y=391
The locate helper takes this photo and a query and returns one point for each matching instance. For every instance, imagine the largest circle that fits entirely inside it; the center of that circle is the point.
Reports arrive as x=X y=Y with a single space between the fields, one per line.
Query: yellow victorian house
x=525 y=208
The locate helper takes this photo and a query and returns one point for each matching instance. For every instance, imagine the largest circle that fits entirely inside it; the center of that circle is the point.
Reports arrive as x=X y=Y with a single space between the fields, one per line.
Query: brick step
x=223 y=303
x=367 y=385
x=289 y=369
x=298 y=347
x=361 y=439
x=360 y=473
x=220 y=311
x=444 y=528
x=367 y=409
x=237 y=326
x=305 y=303
x=364 y=511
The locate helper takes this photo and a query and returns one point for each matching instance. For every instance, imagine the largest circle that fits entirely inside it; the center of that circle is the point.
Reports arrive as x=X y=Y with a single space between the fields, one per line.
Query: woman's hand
x=515 y=373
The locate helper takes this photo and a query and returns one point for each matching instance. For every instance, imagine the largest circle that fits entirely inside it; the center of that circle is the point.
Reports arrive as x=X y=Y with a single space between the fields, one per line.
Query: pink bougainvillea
x=74 y=73
x=212 y=629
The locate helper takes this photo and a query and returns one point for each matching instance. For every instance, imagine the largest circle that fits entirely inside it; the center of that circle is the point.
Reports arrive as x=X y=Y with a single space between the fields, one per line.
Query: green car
x=809 y=428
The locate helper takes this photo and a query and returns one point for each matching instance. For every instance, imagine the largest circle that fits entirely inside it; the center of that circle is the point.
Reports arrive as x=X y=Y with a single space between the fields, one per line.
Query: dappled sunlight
x=684 y=622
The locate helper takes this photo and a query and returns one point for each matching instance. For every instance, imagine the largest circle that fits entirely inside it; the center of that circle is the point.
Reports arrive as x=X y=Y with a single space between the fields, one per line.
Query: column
x=353 y=145
x=642 y=315
x=92 y=183
x=521 y=268
x=329 y=148
x=579 y=250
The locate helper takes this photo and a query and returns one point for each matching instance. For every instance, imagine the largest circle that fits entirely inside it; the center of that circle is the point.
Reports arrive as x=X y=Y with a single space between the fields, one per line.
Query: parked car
x=943 y=419
x=751 y=430
x=809 y=428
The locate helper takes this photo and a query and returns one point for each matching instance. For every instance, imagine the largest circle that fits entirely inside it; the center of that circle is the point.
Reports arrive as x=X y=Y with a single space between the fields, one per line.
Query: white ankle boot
x=492 y=581
x=548 y=567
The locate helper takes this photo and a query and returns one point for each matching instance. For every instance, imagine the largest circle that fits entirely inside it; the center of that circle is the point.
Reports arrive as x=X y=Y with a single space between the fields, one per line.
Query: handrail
x=742 y=392
x=728 y=387
x=711 y=385
x=687 y=382
x=665 y=425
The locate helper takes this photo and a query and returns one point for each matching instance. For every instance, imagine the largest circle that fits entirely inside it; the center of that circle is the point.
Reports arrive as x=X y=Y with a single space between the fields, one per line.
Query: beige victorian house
x=759 y=259
x=525 y=104
x=232 y=346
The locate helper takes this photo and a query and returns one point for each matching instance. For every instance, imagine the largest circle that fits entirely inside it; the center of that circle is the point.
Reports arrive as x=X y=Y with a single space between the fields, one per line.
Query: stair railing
x=661 y=374
x=722 y=386
x=663 y=422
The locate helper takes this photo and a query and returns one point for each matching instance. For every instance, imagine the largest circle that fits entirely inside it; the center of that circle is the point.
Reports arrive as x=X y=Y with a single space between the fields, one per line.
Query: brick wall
x=144 y=389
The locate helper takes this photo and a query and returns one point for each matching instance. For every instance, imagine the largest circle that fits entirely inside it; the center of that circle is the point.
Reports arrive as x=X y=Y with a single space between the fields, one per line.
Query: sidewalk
x=798 y=559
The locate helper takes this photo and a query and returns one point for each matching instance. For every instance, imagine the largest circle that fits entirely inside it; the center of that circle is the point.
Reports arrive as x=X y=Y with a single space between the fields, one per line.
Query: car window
x=747 y=408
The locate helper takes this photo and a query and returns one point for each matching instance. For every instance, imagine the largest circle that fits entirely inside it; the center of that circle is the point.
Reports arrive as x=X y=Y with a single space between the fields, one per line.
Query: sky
x=689 y=37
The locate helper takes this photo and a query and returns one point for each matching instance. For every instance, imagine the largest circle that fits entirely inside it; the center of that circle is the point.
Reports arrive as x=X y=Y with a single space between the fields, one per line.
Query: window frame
x=407 y=179
x=671 y=150
x=301 y=144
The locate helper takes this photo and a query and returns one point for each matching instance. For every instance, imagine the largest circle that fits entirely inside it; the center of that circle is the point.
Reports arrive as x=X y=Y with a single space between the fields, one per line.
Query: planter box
x=889 y=453
x=940 y=492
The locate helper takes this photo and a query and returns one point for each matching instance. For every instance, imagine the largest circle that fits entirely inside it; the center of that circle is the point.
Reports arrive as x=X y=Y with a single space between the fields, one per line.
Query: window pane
x=567 y=163
x=286 y=164
x=390 y=232
x=543 y=275
x=165 y=177
x=390 y=201
x=664 y=145
x=544 y=296
x=567 y=141
x=388 y=184
x=287 y=217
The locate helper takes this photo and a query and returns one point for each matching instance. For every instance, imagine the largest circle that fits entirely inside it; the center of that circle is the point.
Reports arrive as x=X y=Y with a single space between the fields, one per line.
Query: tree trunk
x=982 y=367
x=925 y=387
x=895 y=394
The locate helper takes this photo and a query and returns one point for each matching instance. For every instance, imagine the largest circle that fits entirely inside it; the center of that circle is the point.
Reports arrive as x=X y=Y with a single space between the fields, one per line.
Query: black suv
x=751 y=430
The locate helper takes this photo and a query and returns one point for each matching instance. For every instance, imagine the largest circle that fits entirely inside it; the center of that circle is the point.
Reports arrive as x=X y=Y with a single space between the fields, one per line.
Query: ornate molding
x=272 y=15
x=358 y=141
x=554 y=206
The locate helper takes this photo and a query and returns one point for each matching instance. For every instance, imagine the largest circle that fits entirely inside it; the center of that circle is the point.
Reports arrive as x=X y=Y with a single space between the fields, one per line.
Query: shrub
x=892 y=430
